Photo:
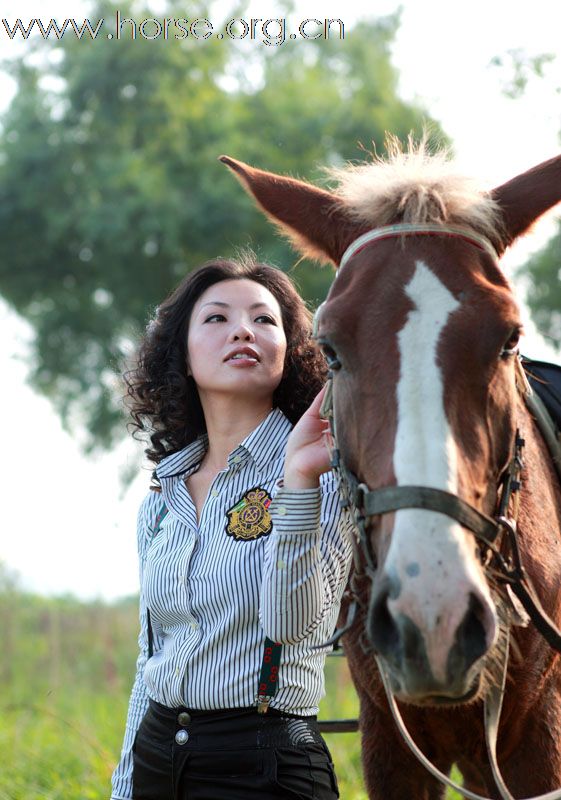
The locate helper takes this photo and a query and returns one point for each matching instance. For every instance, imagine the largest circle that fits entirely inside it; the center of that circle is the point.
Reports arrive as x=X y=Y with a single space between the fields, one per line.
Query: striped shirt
x=214 y=595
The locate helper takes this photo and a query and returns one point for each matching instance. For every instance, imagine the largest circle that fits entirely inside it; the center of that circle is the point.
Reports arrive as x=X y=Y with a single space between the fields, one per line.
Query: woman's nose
x=243 y=332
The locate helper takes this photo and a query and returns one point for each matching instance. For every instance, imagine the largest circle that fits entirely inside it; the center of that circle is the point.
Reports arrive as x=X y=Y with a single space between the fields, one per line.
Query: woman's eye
x=215 y=318
x=265 y=318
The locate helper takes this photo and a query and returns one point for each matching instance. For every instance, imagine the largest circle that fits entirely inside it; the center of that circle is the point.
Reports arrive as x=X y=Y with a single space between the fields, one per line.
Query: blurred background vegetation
x=66 y=674
x=110 y=187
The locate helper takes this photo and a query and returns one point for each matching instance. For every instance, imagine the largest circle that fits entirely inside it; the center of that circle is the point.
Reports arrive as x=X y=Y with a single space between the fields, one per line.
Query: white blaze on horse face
x=430 y=555
x=425 y=451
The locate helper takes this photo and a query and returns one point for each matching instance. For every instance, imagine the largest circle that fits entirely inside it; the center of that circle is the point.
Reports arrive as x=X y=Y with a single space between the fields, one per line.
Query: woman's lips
x=242 y=361
x=241 y=356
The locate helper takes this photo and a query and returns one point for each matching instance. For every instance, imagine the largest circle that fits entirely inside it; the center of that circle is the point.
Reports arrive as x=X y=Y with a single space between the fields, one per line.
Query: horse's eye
x=330 y=355
x=510 y=347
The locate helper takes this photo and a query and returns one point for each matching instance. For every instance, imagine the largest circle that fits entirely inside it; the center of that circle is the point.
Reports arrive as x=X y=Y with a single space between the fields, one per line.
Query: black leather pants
x=235 y=754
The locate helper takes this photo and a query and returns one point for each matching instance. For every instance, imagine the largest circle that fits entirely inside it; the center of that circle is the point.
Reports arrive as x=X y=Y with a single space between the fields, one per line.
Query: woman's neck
x=228 y=423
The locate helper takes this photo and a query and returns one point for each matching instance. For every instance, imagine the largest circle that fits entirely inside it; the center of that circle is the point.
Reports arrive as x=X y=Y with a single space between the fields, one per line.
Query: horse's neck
x=540 y=494
x=539 y=540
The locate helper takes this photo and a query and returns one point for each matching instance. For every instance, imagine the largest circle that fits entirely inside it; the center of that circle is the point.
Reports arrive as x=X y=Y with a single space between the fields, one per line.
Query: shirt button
x=214 y=493
x=237 y=459
x=181 y=737
x=183 y=718
x=281 y=564
x=194 y=625
x=281 y=510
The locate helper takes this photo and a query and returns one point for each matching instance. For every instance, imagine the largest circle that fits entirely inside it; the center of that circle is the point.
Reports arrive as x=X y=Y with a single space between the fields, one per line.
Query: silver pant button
x=181 y=737
x=184 y=718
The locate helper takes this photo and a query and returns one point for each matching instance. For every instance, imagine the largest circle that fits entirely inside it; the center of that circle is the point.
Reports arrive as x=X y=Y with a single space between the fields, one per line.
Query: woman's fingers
x=316 y=402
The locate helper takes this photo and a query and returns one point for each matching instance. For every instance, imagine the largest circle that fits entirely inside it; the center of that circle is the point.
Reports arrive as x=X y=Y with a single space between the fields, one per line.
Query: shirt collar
x=184 y=460
x=263 y=444
x=267 y=440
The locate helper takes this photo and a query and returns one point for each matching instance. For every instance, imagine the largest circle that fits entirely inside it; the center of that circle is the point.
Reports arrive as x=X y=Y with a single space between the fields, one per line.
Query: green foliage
x=542 y=272
x=544 y=288
x=67 y=669
x=520 y=68
x=66 y=672
x=110 y=188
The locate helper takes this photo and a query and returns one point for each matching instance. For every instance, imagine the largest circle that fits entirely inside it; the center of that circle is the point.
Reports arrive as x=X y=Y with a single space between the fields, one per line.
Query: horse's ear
x=525 y=198
x=312 y=218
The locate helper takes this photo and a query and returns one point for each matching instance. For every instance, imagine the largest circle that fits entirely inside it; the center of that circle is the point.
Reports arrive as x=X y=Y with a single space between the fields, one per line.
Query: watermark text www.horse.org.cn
x=271 y=31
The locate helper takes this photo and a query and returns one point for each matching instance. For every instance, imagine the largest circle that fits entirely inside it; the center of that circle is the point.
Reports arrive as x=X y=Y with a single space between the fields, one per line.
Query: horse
x=455 y=497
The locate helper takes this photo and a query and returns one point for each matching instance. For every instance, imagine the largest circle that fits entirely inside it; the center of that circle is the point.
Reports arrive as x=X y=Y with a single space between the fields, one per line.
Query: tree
x=110 y=188
x=544 y=288
x=542 y=271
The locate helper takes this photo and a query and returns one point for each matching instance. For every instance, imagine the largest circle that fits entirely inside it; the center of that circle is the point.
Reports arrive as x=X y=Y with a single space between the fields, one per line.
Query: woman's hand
x=307 y=452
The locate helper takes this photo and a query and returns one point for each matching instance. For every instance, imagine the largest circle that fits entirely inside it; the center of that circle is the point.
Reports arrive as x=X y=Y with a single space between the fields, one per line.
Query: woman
x=243 y=553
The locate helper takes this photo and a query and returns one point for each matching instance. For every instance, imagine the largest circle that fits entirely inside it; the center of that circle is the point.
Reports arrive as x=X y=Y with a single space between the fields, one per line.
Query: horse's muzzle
x=403 y=647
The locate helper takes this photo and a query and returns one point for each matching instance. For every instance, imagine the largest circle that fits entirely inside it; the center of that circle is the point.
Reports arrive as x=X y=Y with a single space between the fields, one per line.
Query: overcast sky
x=68 y=528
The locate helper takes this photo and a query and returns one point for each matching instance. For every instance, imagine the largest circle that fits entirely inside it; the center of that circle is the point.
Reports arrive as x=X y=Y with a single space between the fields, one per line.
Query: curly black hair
x=163 y=400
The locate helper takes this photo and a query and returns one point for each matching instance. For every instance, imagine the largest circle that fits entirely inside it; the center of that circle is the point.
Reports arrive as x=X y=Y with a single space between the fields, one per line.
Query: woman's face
x=236 y=342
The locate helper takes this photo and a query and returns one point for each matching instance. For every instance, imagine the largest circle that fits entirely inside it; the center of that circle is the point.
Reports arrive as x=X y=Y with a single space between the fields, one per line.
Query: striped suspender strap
x=268 y=676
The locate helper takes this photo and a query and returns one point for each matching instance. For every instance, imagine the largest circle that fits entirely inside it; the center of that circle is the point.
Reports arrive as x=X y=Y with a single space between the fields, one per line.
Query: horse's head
x=421 y=327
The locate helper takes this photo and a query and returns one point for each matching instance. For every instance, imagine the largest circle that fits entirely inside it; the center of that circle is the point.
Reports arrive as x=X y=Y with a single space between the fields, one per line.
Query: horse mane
x=413 y=185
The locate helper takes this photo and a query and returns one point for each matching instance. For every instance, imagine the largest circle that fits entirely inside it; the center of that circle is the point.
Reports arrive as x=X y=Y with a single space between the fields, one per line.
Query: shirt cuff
x=296 y=510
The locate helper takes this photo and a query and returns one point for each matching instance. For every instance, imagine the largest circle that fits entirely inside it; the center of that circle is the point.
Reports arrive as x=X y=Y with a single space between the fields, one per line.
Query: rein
x=364 y=503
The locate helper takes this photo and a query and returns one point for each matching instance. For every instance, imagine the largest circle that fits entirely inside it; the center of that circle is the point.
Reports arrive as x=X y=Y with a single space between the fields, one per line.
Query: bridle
x=495 y=535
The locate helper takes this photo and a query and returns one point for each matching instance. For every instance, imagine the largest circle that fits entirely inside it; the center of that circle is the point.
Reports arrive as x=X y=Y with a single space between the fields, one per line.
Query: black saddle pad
x=545 y=380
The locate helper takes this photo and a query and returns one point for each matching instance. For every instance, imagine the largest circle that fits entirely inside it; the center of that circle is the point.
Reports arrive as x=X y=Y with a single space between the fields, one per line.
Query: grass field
x=65 y=676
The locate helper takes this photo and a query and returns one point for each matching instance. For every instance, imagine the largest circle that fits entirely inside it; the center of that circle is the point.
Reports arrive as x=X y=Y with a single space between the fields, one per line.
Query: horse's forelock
x=415 y=186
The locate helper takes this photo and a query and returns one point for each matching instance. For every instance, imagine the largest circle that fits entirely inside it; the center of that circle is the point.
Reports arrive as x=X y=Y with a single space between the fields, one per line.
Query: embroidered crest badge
x=250 y=518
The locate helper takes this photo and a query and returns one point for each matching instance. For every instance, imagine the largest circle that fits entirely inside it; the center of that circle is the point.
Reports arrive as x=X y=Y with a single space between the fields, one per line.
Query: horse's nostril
x=383 y=632
x=471 y=638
